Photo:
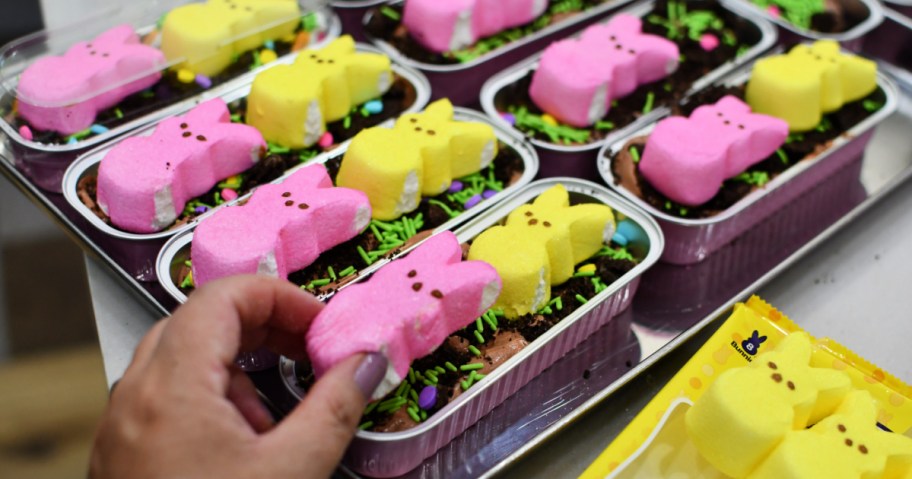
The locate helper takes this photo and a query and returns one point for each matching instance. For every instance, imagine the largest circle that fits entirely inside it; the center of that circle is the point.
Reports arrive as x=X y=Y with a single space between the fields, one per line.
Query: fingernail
x=370 y=373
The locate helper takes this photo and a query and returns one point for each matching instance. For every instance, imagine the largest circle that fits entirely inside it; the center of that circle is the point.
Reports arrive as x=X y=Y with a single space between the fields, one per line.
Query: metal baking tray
x=392 y=454
x=177 y=250
x=578 y=160
x=87 y=164
x=462 y=81
x=691 y=240
x=596 y=381
x=875 y=16
x=46 y=163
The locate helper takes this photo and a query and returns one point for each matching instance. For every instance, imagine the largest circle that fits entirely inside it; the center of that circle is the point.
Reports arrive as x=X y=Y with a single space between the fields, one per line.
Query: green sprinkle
x=604 y=125
x=347 y=272
x=188 y=263
x=236 y=118
x=347 y=122
x=497 y=312
x=583 y=274
x=683 y=211
x=444 y=207
x=471 y=367
x=872 y=105
x=439 y=370
x=188 y=281
x=427 y=382
x=474 y=350
x=411 y=375
x=413 y=394
x=402 y=389
x=479 y=325
x=466 y=384
x=450 y=366
x=332 y=273
x=581 y=299
x=318 y=282
x=667 y=205
x=479 y=337
x=559 y=303
x=414 y=415
x=431 y=381
x=478 y=376
x=277 y=149
x=545 y=310
x=390 y=13
x=118 y=113
x=782 y=156
x=650 y=100
x=634 y=154
x=667 y=87
x=370 y=407
x=430 y=373
x=367 y=425
x=309 y=22
x=423 y=414
x=492 y=322
x=364 y=256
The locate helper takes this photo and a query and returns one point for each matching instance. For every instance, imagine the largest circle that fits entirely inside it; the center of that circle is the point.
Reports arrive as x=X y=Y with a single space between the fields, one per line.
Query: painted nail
x=371 y=373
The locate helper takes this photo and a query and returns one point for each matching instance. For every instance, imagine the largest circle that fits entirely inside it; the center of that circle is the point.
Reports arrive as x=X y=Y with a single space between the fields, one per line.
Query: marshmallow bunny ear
x=121 y=34
x=212 y=111
x=796 y=347
x=312 y=176
x=556 y=197
x=441 y=110
x=440 y=249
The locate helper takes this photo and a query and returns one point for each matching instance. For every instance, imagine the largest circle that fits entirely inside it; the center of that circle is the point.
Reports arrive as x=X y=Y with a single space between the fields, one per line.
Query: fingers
x=243 y=394
x=326 y=420
x=221 y=317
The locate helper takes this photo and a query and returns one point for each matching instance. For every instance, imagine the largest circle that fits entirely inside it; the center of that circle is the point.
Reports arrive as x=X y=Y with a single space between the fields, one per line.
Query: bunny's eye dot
x=412 y=273
x=841 y=428
x=772 y=365
x=791 y=385
x=777 y=377
x=740 y=127
x=414 y=120
x=547 y=224
x=417 y=286
x=533 y=222
x=289 y=203
x=303 y=206
x=862 y=448
x=286 y=194
x=528 y=213
x=186 y=134
x=437 y=294
x=848 y=442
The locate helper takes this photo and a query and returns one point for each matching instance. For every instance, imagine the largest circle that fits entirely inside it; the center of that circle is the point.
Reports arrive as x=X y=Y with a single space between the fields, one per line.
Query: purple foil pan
x=579 y=160
x=392 y=454
x=351 y=13
x=689 y=241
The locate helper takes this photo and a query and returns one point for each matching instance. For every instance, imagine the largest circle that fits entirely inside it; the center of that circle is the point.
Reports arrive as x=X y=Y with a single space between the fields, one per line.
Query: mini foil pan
x=45 y=164
x=689 y=241
x=392 y=454
x=87 y=164
x=849 y=38
x=579 y=160
x=177 y=249
x=462 y=81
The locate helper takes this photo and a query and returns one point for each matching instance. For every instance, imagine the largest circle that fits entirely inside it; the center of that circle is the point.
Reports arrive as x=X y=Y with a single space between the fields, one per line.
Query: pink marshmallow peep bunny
x=65 y=93
x=283 y=228
x=145 y=181
x=405 y=310
x=687 y=159
x=443 y=26
x=577 y=79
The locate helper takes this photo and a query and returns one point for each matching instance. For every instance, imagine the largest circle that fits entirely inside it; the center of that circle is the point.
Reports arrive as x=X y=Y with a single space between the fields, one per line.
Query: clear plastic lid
x=99 y=58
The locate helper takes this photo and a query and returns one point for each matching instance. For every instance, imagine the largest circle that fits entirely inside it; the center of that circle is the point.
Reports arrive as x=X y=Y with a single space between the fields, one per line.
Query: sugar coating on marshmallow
x=420 y=155
x=65 y=93
x=846 y=444
x=687 y=159
x=808 y=81
x=204 y=37
x=442 y=26
x=144 y=182
x=405 y=310
x=282 y=229
x=291 y=104
x=577 y=79
x=539 y=246
x=747 y=412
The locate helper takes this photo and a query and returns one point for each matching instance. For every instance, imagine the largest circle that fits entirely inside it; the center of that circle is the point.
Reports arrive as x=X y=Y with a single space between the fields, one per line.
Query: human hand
x=182 y=409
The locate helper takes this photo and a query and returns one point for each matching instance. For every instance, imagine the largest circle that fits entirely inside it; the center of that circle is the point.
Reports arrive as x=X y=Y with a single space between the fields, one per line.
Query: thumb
x=327 y=419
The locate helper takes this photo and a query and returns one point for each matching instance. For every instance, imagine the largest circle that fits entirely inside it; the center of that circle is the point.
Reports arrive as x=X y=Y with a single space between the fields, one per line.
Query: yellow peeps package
x=738 y=426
